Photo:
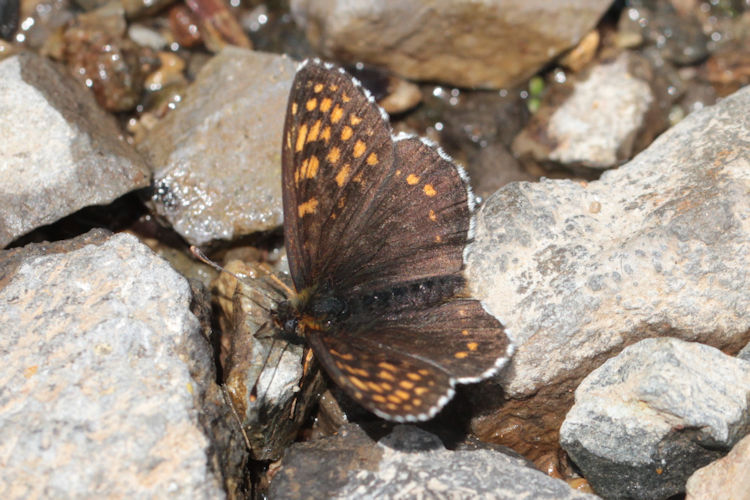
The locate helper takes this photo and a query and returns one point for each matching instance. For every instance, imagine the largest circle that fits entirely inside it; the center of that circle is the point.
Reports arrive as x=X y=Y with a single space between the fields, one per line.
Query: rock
x=409 y=462
x=646 y=419
x=744 y=353
x=109 y=381
x=578 y=271
x=60 y=152
x=101 y=57
x=728 y=477
x=217 y=157
x=601 y=123
x=491 y=44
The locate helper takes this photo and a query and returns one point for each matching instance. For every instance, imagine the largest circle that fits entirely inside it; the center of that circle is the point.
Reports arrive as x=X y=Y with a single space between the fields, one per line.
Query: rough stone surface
x=217 y=157
x=598 y=123
x=578 y=271
x=408 y=463
x=728 y=477
x=646 y=419
x=104 y=368
x=490 y=44
x=744 y=353
x=59 y=152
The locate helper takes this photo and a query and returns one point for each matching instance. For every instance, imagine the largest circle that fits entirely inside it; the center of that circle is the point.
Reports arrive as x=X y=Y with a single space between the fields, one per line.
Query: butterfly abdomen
x=419 y=294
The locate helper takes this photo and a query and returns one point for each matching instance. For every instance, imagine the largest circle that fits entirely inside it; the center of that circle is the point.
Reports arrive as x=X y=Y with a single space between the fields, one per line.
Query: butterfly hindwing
x=386 y=381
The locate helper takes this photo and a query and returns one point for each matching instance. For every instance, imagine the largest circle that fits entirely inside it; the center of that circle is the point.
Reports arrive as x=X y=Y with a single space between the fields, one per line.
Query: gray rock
x=490 y=44
x=744 y=353
x=652 y=415
x=60 y=152
x=217 y=157
x=408 y=463
x=598 y=123
x=105 y=369
x=728 y=477
x=658 y=247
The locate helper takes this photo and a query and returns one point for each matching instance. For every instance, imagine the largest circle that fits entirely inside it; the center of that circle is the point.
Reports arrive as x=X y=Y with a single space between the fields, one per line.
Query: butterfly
x=375 y=228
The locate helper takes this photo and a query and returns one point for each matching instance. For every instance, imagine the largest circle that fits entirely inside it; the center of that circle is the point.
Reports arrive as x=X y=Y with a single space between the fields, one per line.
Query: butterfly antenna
x=198 y=254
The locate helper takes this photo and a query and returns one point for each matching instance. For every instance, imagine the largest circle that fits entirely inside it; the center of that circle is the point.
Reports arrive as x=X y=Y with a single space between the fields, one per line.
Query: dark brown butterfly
x=375 y=229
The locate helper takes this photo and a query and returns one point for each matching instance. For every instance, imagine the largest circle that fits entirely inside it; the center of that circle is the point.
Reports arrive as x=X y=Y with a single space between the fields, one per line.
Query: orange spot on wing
x=311 y=104
x=342 y=175
x=461 y=355
x=472 y=346
x=412 y=179
x=301 y=136
x=402 y=394
x=318 y=87
x=308 y=207
x=326 y=134
x=309 y=167
x=432 y=216
x=355 y=120
x=359 y=149
x=294 y=108
x=325 y=104
x=346 y=133
x=406 y=384
x=333 y=87
x=378 y=398
x=345 y=97
x=358 y=383
x=336 y=114
x=333 y=155
x=372 y=159
x=386 y=376
x=419 y=391
x=429 y=190
x=414 y=376
x=394 y=399
x=314 y=131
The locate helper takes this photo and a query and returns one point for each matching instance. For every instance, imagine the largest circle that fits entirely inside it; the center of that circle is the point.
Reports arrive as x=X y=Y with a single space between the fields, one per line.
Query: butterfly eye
x=290 y=325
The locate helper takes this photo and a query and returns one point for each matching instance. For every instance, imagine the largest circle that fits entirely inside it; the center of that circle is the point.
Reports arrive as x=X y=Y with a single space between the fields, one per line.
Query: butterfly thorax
x=311 y=309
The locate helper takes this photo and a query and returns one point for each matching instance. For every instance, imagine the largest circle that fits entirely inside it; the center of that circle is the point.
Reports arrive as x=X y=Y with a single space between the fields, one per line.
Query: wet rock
x=578 y=271
x=9 y=13
x=488 y=44
x=217 y=25
x=728 y=477
x=102 y=58
x=477 y=129
x=729 y=68
x=109 y=381
x=273 y=383
x=600 y=123
x=45 y=19
x=408 y=462
x=679 y=37
x=217 y=157
x=649 y=417
x=133 y=8
x=60 y=152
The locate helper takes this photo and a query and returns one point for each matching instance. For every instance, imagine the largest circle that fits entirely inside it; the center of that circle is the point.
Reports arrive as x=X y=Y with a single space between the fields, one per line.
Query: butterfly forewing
x=334 y=161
